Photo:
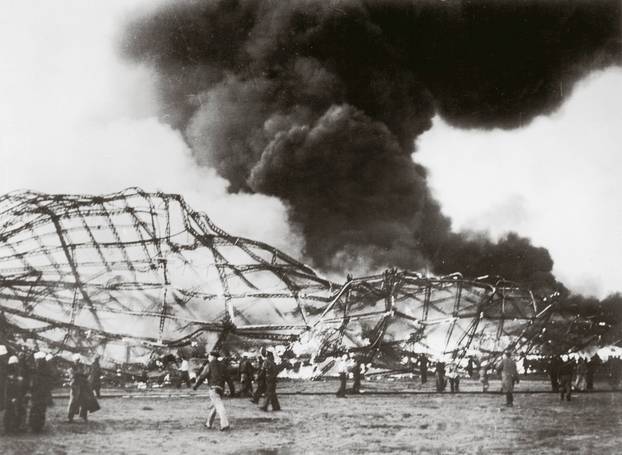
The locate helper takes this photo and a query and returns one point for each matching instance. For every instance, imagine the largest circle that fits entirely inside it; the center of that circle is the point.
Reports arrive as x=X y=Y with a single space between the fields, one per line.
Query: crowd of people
x=26 y=383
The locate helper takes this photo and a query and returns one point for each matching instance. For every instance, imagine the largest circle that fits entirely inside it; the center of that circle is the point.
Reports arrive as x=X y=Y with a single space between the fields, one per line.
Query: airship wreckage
x=130 y=274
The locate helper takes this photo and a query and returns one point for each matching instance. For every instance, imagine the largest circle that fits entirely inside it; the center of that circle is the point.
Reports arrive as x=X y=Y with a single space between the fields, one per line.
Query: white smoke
x=75 y=118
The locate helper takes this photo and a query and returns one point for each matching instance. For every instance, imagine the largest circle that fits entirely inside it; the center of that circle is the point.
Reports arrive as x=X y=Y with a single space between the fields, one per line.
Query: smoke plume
x=320 y=102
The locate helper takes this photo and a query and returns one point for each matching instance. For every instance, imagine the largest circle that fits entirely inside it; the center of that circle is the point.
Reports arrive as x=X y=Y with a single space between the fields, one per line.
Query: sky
x=74 y=117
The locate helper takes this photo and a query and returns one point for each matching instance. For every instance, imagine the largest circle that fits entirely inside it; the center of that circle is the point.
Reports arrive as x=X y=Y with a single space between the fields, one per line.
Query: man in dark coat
x=423 y=368
x=95 y=377
x=15 y=400
x=271 y=372
x=554 y=366
x=441 y=382
x=81 y=398
x=214 y=372
x=566 y=371
x=509 y=376
x=260 y=379
x=246 y=371
x=39 y=393
x=3 y=372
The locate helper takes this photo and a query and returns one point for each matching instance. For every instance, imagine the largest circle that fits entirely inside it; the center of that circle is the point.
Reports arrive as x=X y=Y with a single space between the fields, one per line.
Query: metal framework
x=128 y=273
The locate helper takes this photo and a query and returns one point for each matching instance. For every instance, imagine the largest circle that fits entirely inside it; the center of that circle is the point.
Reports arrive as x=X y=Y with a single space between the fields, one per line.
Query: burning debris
x=130 y=274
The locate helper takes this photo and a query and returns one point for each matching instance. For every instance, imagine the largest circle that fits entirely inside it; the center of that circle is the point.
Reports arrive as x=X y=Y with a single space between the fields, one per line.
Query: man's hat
x=13 y=359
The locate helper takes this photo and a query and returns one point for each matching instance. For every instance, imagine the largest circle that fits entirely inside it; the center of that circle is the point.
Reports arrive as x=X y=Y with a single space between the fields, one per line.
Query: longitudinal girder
x=125 y=273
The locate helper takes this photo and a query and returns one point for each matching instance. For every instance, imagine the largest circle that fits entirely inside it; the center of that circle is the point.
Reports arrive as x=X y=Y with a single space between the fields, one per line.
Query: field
x=406 y=419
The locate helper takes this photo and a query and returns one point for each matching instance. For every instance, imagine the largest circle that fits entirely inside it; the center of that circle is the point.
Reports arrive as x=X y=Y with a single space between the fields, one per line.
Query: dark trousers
x=565 y=386
x=454 y=384
x=247 y=386
x=261 y=388
x=509 y=398
x=554 y=382
x=342 y=385
x=231 y=386
x=424 y=376
x=270 y=399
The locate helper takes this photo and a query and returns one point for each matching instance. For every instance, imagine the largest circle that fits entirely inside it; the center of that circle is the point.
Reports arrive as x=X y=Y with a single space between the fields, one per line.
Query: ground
x=314 y=421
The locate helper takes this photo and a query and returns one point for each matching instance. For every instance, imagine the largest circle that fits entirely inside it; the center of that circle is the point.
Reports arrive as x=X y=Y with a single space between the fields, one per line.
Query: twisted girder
x=142 y=270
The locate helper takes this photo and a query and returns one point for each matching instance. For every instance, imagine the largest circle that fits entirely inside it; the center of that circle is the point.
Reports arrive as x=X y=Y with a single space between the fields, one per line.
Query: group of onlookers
x=26 y=383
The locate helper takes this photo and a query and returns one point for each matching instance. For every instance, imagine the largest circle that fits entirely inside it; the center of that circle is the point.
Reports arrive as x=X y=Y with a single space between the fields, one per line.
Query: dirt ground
x=314 y=421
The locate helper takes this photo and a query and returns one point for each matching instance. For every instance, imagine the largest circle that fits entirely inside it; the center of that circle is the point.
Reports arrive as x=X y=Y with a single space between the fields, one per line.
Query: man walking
x=271 y=371
x=215 y=373
x=509 y=375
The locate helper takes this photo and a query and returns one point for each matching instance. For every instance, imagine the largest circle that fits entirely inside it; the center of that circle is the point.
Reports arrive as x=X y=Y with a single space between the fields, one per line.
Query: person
x=509 y=376
x=441 y=381
x=95 y=377
x=483 y=376
x=3 y=373
x=229 y=373
x=454 y=378
x=592 y=365
x=271 y=372
x=40 y=389
x=423 y=367
x=260 y=379
x=566 y=371
x=15 y=406
x=580 y=380
x=246 y=376
x=357 y=374
x=554 y=366
x=54 y=376
x=81 y=398
x=183 y=372
x=342 y=370
x=470 y=367
x=214 y=372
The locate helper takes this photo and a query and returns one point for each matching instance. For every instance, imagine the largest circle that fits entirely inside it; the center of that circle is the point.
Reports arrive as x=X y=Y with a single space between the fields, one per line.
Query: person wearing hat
x=509 y=376
x=214 y=372
x=15 y=403
x=40 y=389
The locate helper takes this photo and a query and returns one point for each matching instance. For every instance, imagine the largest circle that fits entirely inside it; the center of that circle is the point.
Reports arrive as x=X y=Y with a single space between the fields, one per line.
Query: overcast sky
x=74 y=118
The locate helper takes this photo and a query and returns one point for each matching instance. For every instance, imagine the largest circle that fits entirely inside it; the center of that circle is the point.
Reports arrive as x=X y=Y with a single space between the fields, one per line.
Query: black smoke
x=320 y=102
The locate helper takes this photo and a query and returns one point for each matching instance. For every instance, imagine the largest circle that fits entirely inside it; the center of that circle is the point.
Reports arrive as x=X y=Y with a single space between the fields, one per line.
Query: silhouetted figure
x=555 y=364
x=357 y=376
x=246 y=372
x=271 y=372
x=566 y=372
x=509 y=376
x=441 y=381
x=423 y=367
x=260 y=379
x=95 y=377
x=342 y=370
x=39 y=393
x=15 y=405
x=592 y=366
